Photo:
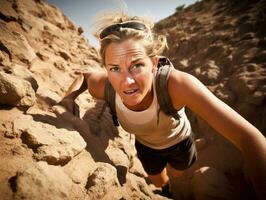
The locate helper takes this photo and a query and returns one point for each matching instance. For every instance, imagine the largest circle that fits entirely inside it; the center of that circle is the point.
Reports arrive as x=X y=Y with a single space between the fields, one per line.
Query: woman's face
x=130 y=72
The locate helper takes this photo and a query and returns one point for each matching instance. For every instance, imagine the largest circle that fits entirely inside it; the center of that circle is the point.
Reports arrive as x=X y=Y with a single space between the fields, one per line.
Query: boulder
x=16 y=46
x=43 y=182
x=101 y=181
x=80 y=168
x=21 y=72
x=15 y=91
x=55 y=146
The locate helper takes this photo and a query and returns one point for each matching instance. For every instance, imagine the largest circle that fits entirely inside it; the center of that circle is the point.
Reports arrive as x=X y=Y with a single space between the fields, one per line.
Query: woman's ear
x=155 y=60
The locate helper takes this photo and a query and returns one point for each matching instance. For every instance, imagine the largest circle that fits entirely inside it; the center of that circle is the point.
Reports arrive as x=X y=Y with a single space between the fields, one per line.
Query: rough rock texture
x=16 y=46
x=53 y=145
x=15 y=91
x=42 y=182
x=102 y=181
x=47 y=153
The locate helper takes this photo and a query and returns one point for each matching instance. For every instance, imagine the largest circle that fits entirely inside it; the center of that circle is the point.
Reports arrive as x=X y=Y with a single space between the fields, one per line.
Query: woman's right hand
x=70 y=105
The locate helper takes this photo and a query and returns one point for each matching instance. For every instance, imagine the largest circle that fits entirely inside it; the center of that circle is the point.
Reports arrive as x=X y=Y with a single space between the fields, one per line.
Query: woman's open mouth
x=131 y=92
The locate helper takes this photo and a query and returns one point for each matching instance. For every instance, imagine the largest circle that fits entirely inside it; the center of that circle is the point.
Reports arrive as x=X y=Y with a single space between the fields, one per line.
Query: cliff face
x=47 y=153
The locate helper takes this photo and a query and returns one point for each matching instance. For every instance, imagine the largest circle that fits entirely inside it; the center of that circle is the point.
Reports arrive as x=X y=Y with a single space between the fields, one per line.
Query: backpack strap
x=109 y=96
x=161 y=84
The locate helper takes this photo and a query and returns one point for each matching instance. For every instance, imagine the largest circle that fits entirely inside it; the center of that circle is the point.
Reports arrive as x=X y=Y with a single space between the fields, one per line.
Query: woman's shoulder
x=180 y=77
x=179 y=80
x=180 y=84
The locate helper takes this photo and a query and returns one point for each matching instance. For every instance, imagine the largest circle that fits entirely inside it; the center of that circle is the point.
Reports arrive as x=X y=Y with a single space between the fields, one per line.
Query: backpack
x=161 y=80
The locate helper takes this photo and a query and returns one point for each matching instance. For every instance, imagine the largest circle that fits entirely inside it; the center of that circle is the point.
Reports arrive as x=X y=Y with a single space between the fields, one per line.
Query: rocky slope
x=47 y=153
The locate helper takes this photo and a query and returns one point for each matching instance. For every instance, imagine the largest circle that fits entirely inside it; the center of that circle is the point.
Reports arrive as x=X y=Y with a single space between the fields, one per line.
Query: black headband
x=116 y=27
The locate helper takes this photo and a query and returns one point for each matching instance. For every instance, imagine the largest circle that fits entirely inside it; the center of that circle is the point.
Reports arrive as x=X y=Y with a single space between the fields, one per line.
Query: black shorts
x=180 y=156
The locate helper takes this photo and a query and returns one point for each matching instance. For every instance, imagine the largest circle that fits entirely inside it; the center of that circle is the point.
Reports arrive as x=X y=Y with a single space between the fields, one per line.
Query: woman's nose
x=129 y=79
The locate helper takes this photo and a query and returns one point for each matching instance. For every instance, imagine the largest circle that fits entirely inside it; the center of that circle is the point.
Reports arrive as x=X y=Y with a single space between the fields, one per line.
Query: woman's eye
x=114 y=69
x=139 y=65
x=136 y=66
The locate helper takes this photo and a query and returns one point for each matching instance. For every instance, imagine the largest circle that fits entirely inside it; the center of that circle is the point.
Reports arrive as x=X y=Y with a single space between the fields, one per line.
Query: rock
x=48 y=96
x=64 y=55
x=209 y=183
x=4 y=56
x=7 y=12
x=208 y=73
x=21 y=72
x=7 y=129
x=117 y=155
x=16 y=46
x=80 y=30
x=55 y=146
x=80 y=168
x=61 y=65
x=43 y=182
x=248 y=82
x=102 y=180
x=25 y=24
x=15 y=91
x=139 y=185
x=137 y=168
x=42 y=56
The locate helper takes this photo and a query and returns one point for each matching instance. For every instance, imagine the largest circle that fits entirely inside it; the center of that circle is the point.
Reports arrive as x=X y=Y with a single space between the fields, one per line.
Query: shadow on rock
x=97 y=132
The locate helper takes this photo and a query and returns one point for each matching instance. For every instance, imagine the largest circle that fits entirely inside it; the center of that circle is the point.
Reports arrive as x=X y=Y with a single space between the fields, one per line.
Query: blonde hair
x=153 y=43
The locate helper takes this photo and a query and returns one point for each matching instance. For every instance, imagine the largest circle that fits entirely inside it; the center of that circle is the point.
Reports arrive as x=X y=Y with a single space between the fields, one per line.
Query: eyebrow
x=132 y=62
x=113 y=65
x=136 y=60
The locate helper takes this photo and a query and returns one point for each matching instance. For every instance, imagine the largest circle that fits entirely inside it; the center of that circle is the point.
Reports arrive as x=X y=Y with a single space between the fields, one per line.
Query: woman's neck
x=144 y=104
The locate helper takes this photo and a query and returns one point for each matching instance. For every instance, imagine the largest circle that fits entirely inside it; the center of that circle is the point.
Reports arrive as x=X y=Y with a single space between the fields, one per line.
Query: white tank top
x=153 y=129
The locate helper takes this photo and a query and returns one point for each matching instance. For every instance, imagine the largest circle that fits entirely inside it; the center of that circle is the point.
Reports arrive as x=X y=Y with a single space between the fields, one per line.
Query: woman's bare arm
x=77 y=87
x=94 y=82
x=186 y=90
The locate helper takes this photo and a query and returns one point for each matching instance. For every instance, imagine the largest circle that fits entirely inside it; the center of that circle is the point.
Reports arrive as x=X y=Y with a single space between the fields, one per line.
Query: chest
x=144 y=122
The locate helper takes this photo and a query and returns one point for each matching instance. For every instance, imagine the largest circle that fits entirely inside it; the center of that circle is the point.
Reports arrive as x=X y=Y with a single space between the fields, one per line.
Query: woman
x=129 y=52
